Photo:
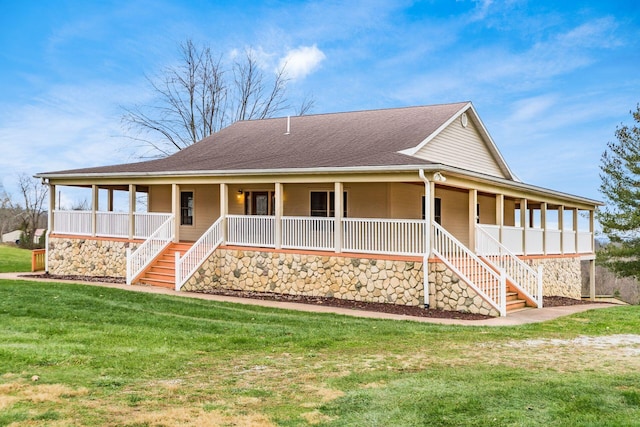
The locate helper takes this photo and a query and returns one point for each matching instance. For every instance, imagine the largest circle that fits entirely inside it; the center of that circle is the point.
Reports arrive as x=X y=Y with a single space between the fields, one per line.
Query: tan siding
x=455 y=212
x=461 y=147
x=487 y=209
x=160 y=198
x=509 y=212
x=406 y=200
x=206 y=200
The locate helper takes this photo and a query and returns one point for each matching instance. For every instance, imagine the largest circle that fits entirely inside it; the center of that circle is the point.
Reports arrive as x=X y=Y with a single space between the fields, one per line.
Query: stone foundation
x=352 y=278
x=84 y=256
x=561 y=276
x=448 y=292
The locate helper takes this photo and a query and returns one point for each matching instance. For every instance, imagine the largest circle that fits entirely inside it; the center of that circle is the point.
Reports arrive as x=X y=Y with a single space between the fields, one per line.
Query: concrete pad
x=517 y=318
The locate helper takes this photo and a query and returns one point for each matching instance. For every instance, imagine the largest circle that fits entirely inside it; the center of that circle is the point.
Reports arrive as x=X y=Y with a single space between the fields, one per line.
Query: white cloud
x=302 y=61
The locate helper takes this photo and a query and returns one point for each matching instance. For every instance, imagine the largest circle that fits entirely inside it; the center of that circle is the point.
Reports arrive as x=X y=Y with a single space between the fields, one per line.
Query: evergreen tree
x=620 y=184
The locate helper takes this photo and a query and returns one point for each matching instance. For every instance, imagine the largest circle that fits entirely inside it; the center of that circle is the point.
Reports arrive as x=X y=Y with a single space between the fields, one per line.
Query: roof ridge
x=406 y=107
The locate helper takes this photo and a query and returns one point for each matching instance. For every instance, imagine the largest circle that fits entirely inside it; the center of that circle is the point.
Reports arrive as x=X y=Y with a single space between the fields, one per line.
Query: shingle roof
x=352 y=139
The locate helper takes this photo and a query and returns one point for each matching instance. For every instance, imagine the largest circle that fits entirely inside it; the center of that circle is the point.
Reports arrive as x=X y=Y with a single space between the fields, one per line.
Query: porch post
x=338 y=189
x=543 y=224
x=561 y=227
x=524 y=224
x=224 y=207
x=175 y=210
x=94 y=209
x=110 y=199
x=430 y=199
x=279 y=208
x=500 y=214
x=52 y=207
x=592 y=230
x=132 y=209
x=575 y=228
x=473 y=212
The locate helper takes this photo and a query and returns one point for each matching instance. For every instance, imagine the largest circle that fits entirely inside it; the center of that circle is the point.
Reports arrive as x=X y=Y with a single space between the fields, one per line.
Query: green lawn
x=112 y=357
x=14 y=259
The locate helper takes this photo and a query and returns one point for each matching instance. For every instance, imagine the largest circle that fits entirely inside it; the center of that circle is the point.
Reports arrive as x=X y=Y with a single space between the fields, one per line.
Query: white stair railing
x=139 y=259
x=195 y=256
x=476 y=273
x=521 y=275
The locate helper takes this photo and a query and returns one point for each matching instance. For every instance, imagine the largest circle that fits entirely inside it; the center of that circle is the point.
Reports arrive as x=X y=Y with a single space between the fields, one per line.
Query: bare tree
x=34 y=195
x=9 y=214
x=201 y=95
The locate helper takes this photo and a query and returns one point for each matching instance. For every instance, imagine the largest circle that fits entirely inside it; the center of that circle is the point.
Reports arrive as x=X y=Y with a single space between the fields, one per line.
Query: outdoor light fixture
x=439 y=177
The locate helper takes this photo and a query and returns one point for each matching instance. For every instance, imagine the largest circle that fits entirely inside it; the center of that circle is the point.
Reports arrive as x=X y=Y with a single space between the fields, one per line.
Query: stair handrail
x=140 y=259
x=195 y=256
x=519 y=273
x=489 y=284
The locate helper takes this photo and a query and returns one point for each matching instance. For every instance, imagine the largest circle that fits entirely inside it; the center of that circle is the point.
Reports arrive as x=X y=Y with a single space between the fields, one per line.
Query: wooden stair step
x=516 y=304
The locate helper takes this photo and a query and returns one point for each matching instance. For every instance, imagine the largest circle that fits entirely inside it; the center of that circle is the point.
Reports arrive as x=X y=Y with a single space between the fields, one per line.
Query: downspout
x=427 y=236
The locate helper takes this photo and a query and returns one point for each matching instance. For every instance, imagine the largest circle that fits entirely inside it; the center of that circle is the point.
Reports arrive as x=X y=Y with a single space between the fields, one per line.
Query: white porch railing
x=585 y=241
x=512 y=238
x=314 y=233
x=148 y=222
x=139 y=259
x=112 y=224
x=486 y=282
x=521 y=275
x=534 y=241
x=195 y=256
x=251 y=230
x=552 y=241
x=568 y=241
x=72 y=222
x=383 y=236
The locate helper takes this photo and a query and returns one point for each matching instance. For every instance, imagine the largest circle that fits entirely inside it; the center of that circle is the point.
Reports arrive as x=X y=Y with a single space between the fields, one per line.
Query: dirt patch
x=414 y=311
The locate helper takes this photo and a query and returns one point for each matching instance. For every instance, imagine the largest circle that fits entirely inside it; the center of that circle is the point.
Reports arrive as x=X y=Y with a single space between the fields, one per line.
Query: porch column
x=575 y=228
x=175 y=210
x=524 y=224
x=110 y=199
x=543 y=224
x=132 y=209
x=338 y=189
x=224 y=208
x=500 y=214
x=473 y=212
x=561 y=227
x=94 y=209
x=52 y=207
x=279 y=208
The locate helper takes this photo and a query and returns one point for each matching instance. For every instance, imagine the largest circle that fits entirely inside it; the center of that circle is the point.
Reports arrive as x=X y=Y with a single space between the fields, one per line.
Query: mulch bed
x=334 y=302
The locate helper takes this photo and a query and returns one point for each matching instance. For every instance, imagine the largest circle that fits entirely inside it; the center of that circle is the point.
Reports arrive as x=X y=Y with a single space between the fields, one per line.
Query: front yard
x=13 y=259
x=112 y=357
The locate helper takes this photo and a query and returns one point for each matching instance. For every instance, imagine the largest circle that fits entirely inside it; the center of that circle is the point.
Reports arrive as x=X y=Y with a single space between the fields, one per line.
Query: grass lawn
x=119 y=358
x=14 y=259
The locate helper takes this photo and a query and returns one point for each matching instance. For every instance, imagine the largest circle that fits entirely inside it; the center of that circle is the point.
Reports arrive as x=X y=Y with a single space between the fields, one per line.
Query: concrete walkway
x=518 y=318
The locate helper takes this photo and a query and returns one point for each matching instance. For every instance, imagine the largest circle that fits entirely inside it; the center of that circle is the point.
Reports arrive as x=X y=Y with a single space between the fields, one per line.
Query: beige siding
x=160 y=198
x=455 y=212
x=206 y=200
x=406 y=200
x=487 y=209
x=509 y=212
x=461 y=147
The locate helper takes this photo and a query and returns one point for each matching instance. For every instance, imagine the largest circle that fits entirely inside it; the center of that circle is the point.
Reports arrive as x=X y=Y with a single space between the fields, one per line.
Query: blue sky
x=550 y=79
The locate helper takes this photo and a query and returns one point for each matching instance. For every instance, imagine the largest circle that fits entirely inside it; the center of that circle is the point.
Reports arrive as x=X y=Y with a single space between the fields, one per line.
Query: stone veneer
x=448 y=292
x=84 y=256
x=561 y=276
x=359 y=278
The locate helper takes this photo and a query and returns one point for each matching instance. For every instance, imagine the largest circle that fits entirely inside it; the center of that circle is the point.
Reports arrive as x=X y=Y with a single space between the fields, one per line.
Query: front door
x=260 y=203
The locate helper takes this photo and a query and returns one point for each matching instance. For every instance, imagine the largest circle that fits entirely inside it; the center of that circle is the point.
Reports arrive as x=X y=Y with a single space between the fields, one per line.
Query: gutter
x=427 y=236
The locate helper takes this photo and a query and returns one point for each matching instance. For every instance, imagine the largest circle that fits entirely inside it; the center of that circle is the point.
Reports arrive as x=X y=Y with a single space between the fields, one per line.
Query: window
x=323 y=204
x=437 y=210
x=186 y=208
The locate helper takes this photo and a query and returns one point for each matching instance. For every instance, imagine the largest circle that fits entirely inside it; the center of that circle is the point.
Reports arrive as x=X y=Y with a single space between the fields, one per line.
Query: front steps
x=162 y=271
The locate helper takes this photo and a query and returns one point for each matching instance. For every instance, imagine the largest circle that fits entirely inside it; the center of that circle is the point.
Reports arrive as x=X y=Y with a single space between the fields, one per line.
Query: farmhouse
x=408 y=206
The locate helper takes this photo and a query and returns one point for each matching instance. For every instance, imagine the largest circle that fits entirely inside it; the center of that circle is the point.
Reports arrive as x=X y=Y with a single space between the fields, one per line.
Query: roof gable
x=467 y=146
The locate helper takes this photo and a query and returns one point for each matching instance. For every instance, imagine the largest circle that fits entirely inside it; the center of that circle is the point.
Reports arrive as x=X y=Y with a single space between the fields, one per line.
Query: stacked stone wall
x=448 y=292
x=88 y=257
x=352 y=278
x=560 y=276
